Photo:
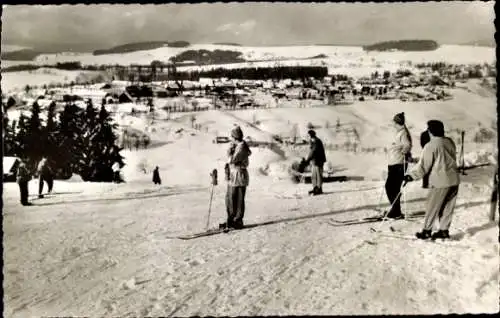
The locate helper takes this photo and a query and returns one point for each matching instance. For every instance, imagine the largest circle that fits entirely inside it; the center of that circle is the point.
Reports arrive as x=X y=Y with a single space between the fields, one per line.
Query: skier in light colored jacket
x=237 y=178
x=439 y=162
x=399 y=153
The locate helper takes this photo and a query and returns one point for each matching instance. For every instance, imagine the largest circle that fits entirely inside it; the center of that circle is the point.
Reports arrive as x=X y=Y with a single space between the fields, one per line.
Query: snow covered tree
x=50 y=132
x=103 y=149
x=8 y=134
x=69 y=138
x=34 y=146
x=88 y=134
x=20 y=136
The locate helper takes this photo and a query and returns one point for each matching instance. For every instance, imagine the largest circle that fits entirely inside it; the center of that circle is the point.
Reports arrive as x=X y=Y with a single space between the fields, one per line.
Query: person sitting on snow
x=439 y=162
x=236 y=169
x=399 y=153
x=318 y=158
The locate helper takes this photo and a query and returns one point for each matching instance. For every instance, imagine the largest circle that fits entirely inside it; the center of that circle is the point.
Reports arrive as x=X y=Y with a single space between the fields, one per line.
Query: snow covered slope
x=343 y=55
x=104 y=250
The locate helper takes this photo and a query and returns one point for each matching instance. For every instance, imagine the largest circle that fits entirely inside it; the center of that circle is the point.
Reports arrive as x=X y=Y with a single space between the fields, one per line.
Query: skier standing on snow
x=439 y=162
x=45 y=175
x=22 y=178
x=238 y=154
x=399 y=153
x=116 y=172
x=156 y=176
x=318 y=158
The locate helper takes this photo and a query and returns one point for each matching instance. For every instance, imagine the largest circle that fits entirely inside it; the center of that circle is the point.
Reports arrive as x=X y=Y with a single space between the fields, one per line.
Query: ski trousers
x=45 y=178
x=317 y=176
x=395 y=178
x=23 y=189
x=440 y=205
x=235 y=204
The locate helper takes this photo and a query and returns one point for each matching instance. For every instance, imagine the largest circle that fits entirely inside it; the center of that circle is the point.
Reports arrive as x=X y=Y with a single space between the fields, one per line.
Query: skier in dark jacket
x=23 y=177
x=424 y=139
x=45 y=175
x=156 y=176
x=317 y=158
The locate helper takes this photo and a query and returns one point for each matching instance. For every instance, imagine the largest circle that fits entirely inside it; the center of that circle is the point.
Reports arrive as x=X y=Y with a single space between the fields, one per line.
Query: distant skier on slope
x=156 y=176
x=439 y=162
x=238 y=180
x=399 y=153
x=318 y=158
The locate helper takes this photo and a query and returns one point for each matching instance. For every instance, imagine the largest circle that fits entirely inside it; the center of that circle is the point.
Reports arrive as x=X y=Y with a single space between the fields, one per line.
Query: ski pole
x=214 y=183
x=403 y=197
x=387 y=212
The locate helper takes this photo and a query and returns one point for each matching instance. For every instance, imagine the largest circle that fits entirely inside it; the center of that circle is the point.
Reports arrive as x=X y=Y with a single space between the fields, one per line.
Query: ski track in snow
x=83 y=254
x=97 y=249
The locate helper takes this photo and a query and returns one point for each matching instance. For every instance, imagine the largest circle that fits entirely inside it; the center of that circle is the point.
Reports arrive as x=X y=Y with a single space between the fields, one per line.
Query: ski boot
x=424 y=235
x=441 y=234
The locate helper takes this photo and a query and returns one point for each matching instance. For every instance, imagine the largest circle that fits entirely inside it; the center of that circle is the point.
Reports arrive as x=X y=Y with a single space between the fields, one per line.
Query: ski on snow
x=210 y=233
x=355 y=221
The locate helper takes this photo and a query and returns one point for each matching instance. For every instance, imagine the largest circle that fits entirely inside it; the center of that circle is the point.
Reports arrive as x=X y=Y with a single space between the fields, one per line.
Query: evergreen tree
x=88 y=134
x=50 y=131
x=103 y=148
x=69 y=138
x=20 y=137
x=34 y=140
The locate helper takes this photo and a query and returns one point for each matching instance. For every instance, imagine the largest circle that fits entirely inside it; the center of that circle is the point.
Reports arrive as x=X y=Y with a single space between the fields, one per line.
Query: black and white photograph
x=249 y=159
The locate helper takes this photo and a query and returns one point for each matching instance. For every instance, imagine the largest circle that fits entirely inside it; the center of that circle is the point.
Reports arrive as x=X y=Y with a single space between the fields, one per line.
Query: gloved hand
x=408 y=178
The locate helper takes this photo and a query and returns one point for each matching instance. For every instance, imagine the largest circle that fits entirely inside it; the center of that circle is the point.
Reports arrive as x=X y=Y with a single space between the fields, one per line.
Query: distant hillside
x=208 y=57
x=483 y=42
x=227 y=43
x=403 y=45
x=21 y=55
x=140 y=46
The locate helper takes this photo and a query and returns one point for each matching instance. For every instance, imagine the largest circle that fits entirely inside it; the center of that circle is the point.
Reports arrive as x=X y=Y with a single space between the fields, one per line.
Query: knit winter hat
x=399 y=118
x=236 y=133
x=436 y=127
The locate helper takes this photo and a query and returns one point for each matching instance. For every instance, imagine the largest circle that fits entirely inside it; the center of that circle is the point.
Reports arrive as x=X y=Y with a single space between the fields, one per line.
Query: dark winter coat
x=317 y=153
x=156 y=176
x=424 y=138
x=23 y=174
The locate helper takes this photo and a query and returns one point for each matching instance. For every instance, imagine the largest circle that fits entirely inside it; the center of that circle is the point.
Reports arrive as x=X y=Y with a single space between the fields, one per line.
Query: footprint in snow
x=129 y=284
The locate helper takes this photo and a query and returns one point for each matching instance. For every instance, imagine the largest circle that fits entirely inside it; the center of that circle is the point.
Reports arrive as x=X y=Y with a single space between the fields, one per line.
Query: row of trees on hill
x=259 y=73
x=75 y=140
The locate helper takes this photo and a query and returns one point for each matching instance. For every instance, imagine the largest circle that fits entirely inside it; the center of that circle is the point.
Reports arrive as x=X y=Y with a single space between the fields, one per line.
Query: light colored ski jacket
x=238 y=163
x=400 y=147
x=439 y=160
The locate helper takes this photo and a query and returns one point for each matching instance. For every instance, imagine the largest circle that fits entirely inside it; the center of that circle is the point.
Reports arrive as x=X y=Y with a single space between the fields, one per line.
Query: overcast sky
x=249 y=23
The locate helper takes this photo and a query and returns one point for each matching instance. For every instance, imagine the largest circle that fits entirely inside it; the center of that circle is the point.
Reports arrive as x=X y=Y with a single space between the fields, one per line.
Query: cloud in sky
x=236 y=29
x=249 y=23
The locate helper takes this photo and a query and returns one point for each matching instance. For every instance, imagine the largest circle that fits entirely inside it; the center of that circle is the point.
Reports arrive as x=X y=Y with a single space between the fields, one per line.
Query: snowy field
x=96 y=249
x=456 y=54
x=13 y=81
